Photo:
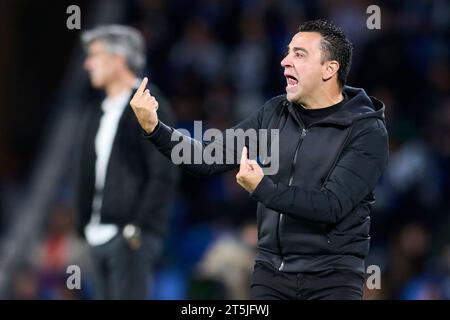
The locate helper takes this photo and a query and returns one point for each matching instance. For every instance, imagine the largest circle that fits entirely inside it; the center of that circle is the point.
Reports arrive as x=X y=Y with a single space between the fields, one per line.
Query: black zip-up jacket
x=314 y=213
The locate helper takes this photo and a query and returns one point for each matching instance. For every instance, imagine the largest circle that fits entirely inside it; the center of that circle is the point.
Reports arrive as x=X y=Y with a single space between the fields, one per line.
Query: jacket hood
x=359 y=106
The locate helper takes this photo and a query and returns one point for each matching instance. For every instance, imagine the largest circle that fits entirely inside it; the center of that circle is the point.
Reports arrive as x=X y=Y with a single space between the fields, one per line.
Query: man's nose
x=286 y=61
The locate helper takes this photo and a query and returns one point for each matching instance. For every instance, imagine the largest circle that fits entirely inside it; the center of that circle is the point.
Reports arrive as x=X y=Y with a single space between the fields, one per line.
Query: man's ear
x=330 y=68
x=121 y=60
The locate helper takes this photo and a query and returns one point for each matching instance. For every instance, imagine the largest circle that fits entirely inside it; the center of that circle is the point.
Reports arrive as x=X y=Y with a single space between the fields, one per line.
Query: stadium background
x=217 y=61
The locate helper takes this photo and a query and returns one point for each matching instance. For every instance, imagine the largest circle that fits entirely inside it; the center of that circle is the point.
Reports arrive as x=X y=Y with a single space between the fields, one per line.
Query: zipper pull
x=303 y=132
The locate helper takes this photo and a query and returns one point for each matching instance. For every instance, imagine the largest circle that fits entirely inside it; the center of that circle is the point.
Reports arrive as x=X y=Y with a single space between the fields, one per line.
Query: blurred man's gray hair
x=119 y=39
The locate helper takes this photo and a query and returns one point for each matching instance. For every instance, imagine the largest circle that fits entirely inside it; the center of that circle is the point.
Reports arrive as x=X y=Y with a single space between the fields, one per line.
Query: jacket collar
x=359 y=106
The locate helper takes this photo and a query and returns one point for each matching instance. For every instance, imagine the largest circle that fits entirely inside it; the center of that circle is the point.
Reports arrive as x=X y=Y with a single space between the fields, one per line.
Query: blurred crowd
x=218 y=61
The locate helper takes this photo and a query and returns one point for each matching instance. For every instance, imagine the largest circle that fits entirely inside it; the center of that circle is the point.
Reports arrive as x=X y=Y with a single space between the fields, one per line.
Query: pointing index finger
x=244 y=156
x=142 y=86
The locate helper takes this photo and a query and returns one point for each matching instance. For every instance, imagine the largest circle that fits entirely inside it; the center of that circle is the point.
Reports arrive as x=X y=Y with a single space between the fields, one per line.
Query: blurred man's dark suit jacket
x=140 y=181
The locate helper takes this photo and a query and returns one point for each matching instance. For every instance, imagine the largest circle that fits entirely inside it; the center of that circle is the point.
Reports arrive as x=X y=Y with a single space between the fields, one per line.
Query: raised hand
x=144 y=106
x=250 y=173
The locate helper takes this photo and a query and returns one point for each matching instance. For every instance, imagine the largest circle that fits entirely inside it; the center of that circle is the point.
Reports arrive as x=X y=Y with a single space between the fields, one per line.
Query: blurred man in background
x=124 y=188
x=313 y=214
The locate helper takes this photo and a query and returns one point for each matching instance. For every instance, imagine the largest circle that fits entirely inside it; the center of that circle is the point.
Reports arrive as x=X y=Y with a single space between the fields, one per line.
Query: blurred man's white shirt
x=98 y=233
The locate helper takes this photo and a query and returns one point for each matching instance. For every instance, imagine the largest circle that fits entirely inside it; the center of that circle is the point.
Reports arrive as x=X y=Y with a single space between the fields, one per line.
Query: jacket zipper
x=291 y=178
x=294 y=162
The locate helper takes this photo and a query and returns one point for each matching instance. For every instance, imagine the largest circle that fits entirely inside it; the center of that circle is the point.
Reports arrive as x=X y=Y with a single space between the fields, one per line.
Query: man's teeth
x=291 y=81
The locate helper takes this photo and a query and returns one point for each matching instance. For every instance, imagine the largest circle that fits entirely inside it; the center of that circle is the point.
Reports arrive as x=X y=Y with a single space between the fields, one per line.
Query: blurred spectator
x=249 y=63
x=44 y=274
x=199 y=50
x=124 y=186
x=61 y=248
x=225 y=270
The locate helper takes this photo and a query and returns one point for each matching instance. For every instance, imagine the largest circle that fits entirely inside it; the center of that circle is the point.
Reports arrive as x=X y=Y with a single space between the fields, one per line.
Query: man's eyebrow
x=296 y=49
x=300 y=49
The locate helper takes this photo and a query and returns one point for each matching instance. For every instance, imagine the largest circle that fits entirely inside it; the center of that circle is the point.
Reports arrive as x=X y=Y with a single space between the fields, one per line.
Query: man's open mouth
x=291 y=80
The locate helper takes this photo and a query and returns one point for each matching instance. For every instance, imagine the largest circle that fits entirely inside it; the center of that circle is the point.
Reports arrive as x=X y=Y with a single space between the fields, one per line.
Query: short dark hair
x=334 y=44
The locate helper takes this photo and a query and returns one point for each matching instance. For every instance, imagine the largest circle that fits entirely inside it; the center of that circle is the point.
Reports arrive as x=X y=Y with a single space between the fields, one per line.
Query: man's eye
x=299 y=55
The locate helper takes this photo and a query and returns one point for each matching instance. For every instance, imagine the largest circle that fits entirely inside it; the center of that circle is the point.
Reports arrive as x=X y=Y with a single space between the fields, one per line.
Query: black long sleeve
x=168 y=141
